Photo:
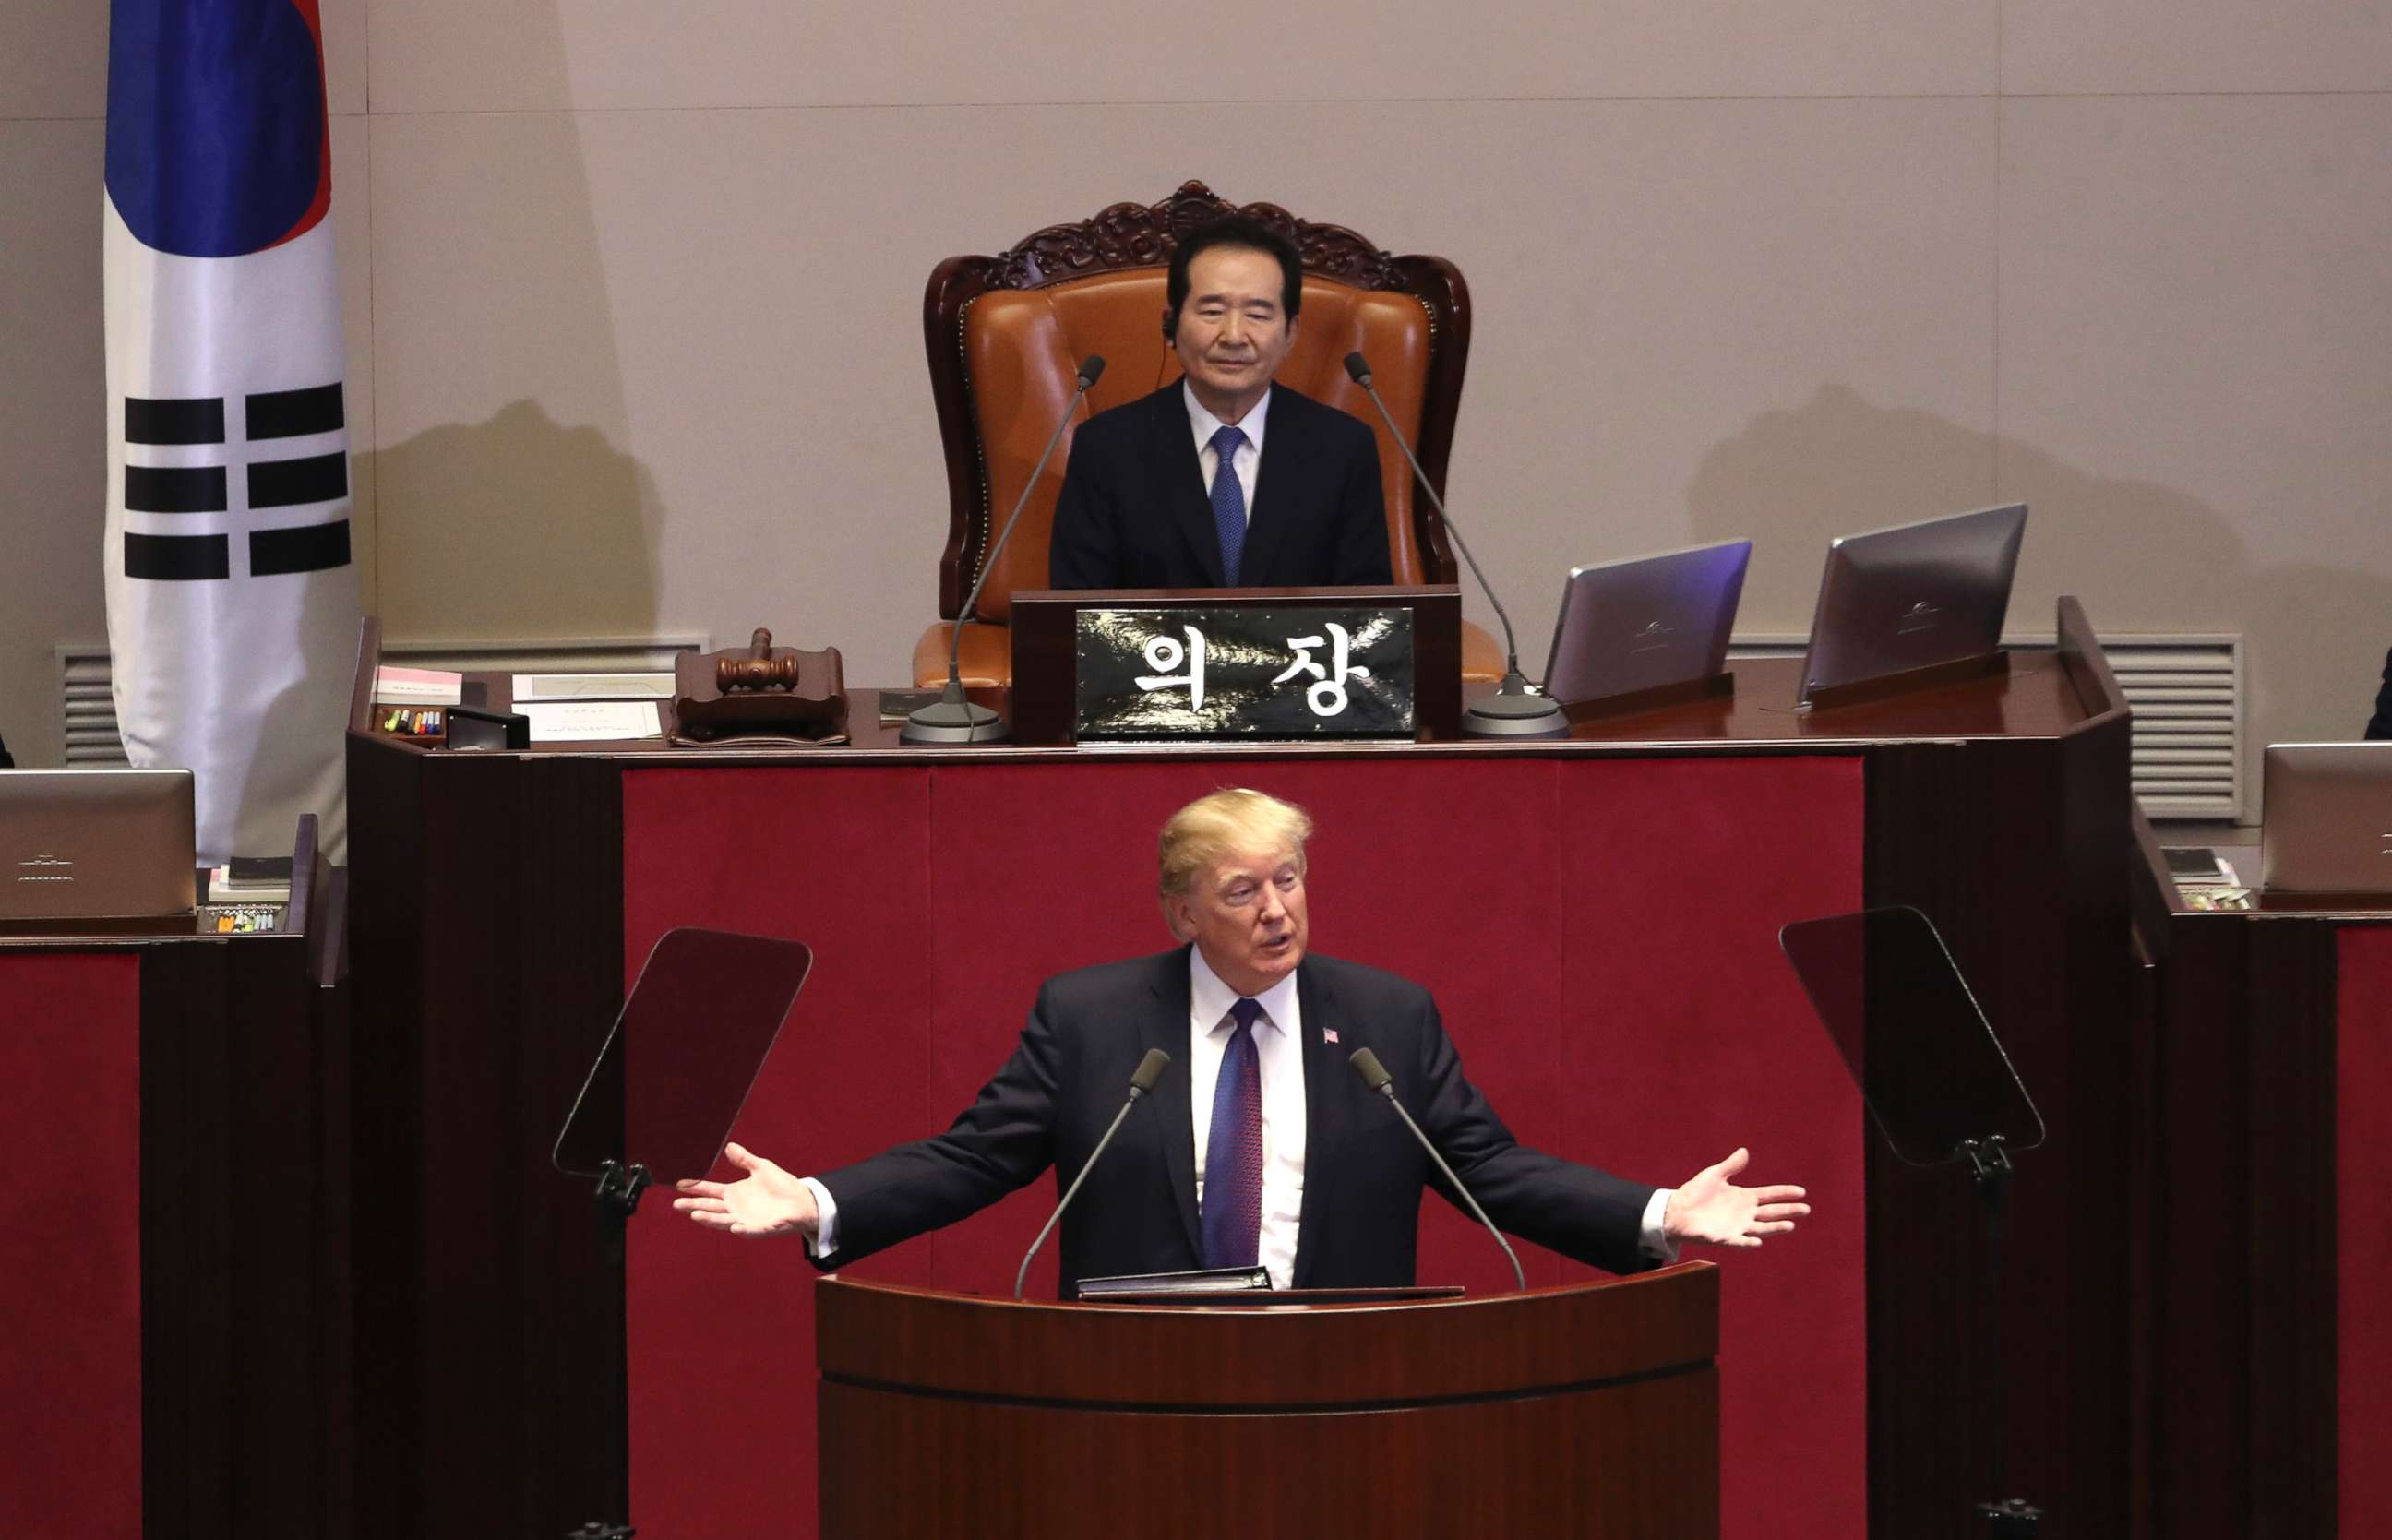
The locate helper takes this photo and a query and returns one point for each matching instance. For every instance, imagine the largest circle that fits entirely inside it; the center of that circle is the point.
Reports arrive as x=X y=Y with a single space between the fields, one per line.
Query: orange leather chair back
x=1021 y=348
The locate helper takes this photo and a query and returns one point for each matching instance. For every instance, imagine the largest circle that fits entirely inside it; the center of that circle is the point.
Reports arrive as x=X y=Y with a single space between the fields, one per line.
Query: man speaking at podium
x=1258 y=1147
x=1222 y=479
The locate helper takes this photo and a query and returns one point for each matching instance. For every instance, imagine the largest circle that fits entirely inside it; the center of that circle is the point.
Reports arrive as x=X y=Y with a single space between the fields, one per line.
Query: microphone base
x=1515 y=717
x=954 y=722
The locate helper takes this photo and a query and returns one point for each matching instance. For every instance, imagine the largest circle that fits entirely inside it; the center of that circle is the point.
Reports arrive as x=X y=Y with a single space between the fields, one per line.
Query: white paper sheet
x=591 y=721
x=592 y=687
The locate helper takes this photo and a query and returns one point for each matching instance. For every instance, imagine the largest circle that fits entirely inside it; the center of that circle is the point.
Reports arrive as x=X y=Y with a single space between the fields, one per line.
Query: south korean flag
x=232 y=606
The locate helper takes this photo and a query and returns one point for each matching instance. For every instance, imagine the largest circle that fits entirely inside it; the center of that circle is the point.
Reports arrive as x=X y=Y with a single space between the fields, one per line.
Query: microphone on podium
x=1512 y=711
x=1374 y=1075
x=951 y=718
x=1141 y=1081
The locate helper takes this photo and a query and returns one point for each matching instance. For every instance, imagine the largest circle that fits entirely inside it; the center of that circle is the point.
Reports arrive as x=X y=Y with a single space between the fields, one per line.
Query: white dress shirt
x=1279 y=1047
x=1249 y=458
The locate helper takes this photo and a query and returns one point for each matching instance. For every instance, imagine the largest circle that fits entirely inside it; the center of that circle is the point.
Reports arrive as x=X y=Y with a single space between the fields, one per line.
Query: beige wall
x=634 y=291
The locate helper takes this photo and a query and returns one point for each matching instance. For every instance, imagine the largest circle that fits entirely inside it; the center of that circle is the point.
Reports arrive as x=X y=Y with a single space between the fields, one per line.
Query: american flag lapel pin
x=1329 y=1034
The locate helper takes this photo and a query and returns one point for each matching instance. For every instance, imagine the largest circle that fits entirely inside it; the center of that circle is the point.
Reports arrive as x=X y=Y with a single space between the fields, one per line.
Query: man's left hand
x=1712 y=1209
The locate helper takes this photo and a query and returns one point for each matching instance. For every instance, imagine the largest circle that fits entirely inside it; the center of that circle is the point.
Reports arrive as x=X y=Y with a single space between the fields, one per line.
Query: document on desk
x=592 y=687
x=396 y=686
x=592 y=721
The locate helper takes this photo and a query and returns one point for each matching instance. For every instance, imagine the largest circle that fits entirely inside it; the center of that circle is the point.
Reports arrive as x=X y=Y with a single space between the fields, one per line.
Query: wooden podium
x=1586 y=1410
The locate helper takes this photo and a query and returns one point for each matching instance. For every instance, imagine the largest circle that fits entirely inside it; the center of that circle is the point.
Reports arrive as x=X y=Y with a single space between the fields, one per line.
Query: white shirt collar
x=1205 y=424
x=1209 y=1000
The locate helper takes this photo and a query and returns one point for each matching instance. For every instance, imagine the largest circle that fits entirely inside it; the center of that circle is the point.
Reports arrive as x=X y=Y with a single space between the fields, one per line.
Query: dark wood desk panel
x=486 y=909
x=1585 y=1411
x=2269 y=1054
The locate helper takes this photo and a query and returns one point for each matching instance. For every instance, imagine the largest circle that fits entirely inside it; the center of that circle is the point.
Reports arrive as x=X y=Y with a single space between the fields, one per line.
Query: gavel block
x=761 y=692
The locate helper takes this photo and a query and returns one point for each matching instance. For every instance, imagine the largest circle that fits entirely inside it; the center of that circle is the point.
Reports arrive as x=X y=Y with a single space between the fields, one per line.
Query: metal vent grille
x=87 y=711
x=2186 y=693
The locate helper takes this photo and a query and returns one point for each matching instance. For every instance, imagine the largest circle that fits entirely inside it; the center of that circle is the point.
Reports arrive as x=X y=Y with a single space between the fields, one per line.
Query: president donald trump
x=1258 y=1147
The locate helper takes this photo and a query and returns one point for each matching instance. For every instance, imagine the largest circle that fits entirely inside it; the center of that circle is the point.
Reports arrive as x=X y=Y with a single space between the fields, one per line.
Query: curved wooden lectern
x=1588 y=1410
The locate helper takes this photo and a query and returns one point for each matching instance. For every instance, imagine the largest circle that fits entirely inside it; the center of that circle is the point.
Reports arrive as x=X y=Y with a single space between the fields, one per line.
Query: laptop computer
x=2325 y=820
x=96 y=843
x=1646 y=622
x=1913 y=596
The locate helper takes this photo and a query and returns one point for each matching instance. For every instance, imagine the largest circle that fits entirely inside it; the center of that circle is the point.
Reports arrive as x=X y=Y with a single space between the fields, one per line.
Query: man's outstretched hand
x=1712 y=1209
x=767 y=1201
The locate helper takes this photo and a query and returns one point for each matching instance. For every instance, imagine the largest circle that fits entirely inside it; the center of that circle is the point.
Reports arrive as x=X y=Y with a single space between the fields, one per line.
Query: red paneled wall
x=1601 y=935
x=2362 y=1154
x=70 y=1245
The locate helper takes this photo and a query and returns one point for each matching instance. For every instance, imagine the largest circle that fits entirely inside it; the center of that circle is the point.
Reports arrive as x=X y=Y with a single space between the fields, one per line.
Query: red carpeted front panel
x=71 y=1228
x=2362 y=1153
x=721 y=1332
x=1686 y=1035
x=937 y=900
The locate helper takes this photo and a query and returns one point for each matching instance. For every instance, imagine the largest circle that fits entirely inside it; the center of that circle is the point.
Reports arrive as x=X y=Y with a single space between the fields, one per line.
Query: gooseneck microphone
x=1141 y=1081
x=1374 y=1075
x=1512 y=711
x=952 y=718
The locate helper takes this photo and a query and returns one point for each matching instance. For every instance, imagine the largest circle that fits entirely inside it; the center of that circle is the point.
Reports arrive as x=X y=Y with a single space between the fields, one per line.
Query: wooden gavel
x=759 y=670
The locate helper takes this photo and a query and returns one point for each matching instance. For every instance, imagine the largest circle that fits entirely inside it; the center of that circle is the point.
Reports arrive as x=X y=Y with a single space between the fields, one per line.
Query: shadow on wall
x=2140 y=555
x=535 y=530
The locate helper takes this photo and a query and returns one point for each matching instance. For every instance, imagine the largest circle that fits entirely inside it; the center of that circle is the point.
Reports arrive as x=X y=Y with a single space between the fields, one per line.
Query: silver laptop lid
x=1913 y=596
x=2326 y=819
x=1646 y=622
x=96 y=843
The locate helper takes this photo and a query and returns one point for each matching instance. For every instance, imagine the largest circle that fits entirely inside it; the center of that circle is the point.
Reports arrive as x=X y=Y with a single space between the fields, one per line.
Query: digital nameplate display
x=1239 y=671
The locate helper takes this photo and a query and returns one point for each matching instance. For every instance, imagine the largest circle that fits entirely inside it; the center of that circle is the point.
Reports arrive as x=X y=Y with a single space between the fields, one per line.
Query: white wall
x=634 y=291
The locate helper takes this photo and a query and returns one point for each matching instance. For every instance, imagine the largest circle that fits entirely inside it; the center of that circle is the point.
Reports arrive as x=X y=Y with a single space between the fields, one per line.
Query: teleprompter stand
x=1941 y=1092
x=670 y=1079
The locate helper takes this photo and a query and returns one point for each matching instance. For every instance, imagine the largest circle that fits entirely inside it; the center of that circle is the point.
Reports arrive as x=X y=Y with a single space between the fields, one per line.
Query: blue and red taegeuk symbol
x=217 y=137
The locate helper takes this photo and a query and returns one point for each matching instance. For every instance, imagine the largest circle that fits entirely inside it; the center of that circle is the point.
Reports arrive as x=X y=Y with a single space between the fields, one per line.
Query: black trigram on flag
x=267 y=488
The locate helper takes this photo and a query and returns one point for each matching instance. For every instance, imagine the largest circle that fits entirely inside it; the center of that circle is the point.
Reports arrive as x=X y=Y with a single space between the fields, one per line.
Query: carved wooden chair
x=1006 y=332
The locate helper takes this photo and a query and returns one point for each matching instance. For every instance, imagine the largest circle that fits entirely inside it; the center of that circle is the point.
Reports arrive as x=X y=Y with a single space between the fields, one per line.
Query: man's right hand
x=767 y=1201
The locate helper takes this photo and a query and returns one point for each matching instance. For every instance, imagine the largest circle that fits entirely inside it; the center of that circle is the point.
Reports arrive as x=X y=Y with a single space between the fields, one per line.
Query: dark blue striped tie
x=1229 y=503
x=1233 y=1148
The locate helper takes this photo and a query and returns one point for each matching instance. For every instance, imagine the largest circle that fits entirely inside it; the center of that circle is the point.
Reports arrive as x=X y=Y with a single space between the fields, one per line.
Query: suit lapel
x=1179 y=490
x=1325 y=1104
x=1165 y=1025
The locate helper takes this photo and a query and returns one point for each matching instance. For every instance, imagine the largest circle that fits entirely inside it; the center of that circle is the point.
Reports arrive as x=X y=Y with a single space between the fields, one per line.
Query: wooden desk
x=1597 y=917
x=174 y=1211
x=1590 y=1410
x=2263 y=1046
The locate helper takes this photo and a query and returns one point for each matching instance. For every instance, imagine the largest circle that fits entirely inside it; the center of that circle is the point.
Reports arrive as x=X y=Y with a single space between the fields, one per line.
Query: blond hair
x=1230 y=819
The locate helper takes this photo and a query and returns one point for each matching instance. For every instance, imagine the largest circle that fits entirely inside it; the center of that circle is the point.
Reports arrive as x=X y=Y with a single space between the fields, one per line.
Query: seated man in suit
x=1223 y=480
x=1258 y=1147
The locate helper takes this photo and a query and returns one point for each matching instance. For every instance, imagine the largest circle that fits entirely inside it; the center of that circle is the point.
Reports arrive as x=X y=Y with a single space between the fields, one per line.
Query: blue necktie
x=1233 y=1147
x=1229 y=503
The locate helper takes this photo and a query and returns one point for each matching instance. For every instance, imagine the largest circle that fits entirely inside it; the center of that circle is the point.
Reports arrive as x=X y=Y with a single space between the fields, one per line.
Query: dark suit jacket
x=1363 y=1172
x=2380 y=725
x=1135 y=513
